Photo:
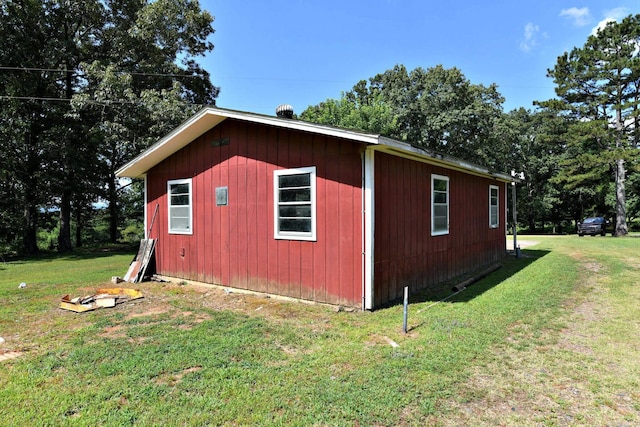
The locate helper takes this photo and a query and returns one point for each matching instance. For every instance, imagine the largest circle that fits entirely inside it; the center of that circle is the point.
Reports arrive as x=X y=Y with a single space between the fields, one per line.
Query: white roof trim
x=210 y=117
x=424 y=155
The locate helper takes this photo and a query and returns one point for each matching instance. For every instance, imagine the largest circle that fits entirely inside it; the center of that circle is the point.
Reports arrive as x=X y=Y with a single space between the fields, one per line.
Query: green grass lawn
x=552 y=338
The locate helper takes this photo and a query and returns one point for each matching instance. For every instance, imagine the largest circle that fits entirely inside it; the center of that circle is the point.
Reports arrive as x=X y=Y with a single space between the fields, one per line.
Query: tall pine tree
x=598 y=84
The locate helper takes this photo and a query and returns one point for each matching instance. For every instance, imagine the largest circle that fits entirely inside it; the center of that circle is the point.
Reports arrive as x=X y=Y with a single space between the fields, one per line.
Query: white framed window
x=295 y=204
x=494 y=204
x=439 y=205
x=179 y=195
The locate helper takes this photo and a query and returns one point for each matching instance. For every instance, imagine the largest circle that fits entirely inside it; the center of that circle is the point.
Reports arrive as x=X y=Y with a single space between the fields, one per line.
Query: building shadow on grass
x=448 y=293
x=452 y=290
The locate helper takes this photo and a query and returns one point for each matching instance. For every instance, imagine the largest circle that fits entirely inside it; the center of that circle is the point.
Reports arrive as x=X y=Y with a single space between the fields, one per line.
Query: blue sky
x=301 y=52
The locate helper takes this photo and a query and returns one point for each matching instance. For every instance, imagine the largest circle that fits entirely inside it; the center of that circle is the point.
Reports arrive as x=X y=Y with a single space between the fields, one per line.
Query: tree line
x=86 y=86
x=578 y=152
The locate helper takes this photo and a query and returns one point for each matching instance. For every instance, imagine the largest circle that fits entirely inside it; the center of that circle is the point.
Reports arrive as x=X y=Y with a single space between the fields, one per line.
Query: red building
x=292 y=208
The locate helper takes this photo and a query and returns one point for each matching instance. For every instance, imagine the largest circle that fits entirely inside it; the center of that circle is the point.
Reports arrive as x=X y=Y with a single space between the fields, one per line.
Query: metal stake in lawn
x=406 y=309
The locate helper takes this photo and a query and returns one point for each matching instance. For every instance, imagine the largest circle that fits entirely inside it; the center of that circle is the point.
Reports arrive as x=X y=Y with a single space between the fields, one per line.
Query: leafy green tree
x=536 y=143
x=85 y=86
x=633 y=201
x=584 y=172
x=24 y=123
x=367 y=113
x=598 y=85
x=145 y=80
x=74 y=28
x=437 y=108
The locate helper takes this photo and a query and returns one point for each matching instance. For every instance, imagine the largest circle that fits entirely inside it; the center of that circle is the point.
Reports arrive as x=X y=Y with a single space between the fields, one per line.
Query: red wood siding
x=234 y=245
x=405 y=252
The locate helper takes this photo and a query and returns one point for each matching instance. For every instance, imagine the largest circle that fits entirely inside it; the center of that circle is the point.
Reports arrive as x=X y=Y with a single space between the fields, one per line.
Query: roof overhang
x=423 y=155
x=210 y=117
x=170 y=144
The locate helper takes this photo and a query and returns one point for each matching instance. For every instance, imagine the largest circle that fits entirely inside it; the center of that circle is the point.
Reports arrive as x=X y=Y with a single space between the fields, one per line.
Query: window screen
x=180 y=212
x=439 y=204
x=493 y=206
x=295 y=204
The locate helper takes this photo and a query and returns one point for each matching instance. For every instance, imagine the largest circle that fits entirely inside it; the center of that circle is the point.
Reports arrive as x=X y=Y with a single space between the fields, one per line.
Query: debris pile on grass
x=107 y=297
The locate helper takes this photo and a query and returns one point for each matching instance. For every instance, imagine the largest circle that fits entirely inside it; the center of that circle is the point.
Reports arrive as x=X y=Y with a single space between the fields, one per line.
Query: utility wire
x=90 y=101
x=59 y=70
x=33 y=98
x=38 y=98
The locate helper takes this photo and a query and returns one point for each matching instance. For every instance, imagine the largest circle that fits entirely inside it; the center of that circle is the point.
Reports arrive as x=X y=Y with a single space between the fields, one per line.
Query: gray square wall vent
x=222 y=196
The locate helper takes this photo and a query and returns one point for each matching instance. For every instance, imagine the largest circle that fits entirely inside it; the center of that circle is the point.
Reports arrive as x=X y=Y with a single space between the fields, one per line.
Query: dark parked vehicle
x=593 y=226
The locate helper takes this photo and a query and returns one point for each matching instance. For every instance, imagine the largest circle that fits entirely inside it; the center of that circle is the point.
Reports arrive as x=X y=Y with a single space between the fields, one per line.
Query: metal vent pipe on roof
x=285 y=111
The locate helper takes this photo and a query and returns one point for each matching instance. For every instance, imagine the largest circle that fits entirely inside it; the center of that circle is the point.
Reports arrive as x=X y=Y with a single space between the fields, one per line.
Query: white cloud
x=613 y=15
x=580 y=17
x=530 y=37
x=618 y=13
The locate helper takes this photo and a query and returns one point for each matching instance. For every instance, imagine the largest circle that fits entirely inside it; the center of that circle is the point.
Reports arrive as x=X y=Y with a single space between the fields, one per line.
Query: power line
x=90 y=101
x=60 y=70
x=33 y=98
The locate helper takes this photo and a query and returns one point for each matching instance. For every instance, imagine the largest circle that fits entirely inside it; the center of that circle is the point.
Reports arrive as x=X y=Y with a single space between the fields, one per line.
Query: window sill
x=303 y=238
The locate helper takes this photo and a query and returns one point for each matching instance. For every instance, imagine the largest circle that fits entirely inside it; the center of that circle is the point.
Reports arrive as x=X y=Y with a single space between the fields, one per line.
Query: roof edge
x=406 y=150
x=149 y=157
x=209 y=117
